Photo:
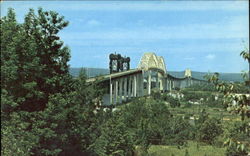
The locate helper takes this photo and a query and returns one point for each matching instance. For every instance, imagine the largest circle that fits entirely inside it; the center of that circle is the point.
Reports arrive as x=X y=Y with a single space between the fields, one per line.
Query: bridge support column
x=166 y=81
x=140 y=84
x=125 y=89
x=162 y=84
x=157 y=81
x=171 y=85
x=111 y=92
x=115 y=92
x=129 y=87
x=149 y=83
x=137 y=85
x=134 y=86
x=168 y=84
x=120 y=90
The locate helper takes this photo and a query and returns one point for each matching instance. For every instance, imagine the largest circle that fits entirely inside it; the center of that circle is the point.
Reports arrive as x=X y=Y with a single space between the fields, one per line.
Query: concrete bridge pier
x=111 y=92
x=115 y=92
x=149 y=83
x=140 y=84
x=125 y=89
x=129 y=87
x=120 y=82
x=134 y=86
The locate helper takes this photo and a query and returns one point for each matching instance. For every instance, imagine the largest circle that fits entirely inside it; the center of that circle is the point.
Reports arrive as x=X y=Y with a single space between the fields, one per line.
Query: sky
x=199 y=35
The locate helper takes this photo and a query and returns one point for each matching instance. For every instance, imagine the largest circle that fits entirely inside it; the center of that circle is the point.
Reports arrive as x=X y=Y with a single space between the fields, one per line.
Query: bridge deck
x=114 y=75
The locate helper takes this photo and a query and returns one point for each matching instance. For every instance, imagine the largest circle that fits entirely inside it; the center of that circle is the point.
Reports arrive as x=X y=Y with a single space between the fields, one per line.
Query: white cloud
x=226 y=29
x=210 y=56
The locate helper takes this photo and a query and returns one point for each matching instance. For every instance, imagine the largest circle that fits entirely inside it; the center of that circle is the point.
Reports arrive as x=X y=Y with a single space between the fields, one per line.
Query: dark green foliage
x=212 y=102
x=15 y=139
x=174 y=102
x=203 y=116
x=238 y=138
x=209 y=130
x=178 y=133
x=115 y=139
x=195 y=95
x=203 y=87
x=33 y=59
x=156 y=95
x=44 y=111
x=141 y=126
x=154 y=124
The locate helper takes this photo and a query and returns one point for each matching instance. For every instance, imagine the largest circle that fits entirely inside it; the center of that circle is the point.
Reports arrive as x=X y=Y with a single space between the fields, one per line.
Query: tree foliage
x=44 y=110
x=236 y=103
x=209 y=130
x=33 y=59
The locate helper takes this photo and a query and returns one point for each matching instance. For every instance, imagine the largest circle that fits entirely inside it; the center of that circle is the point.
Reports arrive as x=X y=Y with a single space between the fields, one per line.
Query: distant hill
x=236 y=77
x=92 y=72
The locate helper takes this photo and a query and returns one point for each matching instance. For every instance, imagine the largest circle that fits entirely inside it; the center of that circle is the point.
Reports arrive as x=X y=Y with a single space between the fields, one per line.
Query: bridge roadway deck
x=114 y=75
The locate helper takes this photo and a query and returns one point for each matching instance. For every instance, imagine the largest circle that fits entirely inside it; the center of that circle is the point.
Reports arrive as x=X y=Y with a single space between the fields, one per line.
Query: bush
x=115 y=139
x=174 y=102
x=238 y=139
x=156 y=95
x=186 y=104
x=209 y=130
x=178 y=133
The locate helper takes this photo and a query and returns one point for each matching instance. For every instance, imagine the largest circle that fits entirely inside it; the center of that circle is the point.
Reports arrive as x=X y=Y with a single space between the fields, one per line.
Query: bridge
x=150 y=75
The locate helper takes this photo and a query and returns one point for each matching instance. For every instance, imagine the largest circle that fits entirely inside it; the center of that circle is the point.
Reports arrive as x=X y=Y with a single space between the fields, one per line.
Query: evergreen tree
x=33 y=59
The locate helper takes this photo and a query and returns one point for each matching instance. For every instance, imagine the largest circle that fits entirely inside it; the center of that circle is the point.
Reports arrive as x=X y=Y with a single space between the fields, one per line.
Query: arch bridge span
x=151 y=74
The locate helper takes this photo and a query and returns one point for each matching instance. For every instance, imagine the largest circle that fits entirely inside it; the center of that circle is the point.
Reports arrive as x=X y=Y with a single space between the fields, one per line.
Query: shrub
x=174 y=102
x=209 y=130
x=115 y=139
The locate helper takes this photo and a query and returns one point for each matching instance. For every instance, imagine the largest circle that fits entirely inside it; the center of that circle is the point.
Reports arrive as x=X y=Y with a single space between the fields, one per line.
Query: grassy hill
x=92 y=72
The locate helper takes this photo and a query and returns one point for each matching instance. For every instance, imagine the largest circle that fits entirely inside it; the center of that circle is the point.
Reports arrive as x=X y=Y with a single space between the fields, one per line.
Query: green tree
x=42 y=107
x=33 y=59
x=174 y=102
x=203 y=116
x=237 y=138
x=179 y=131
x=74 y=120
x=238 y=104
x=115 y=139
x=209 y=130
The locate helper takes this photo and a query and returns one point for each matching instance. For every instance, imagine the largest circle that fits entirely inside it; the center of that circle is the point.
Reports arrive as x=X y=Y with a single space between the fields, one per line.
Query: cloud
x=223 y=30
x=210 y=56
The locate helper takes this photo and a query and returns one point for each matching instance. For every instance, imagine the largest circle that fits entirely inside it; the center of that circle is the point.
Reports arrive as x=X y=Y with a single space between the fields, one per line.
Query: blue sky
x=200 y=35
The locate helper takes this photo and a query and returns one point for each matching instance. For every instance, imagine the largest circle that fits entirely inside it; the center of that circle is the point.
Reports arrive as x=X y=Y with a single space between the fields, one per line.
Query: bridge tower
x=117 y=63
x=188 y=75
x=154 y=71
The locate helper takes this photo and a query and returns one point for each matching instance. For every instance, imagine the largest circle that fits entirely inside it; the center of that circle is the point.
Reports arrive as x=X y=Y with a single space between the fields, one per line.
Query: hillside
x=92 y=72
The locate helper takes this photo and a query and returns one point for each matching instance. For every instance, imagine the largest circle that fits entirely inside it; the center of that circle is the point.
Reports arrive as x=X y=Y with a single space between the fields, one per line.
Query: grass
x=192 y=149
